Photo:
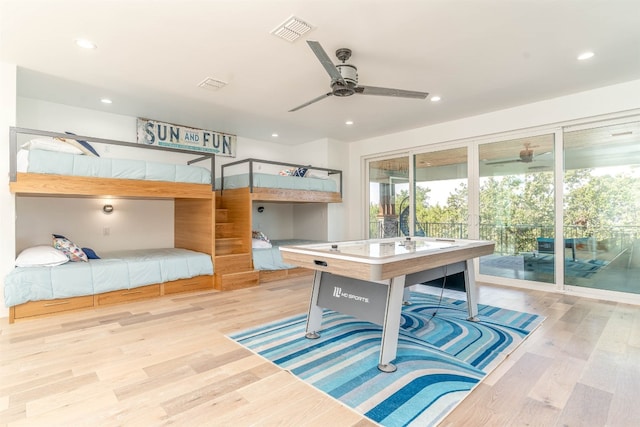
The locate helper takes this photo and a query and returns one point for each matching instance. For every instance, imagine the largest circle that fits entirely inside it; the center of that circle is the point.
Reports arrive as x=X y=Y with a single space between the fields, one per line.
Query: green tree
x=516 y=209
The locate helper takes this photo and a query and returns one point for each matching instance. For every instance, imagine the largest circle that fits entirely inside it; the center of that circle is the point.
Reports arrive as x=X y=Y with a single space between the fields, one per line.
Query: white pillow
x=38 y=256
x=260 y=244
x=51 y=144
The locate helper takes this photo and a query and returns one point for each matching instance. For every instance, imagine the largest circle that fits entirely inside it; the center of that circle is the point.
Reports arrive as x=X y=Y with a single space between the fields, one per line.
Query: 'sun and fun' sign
x=152 y=132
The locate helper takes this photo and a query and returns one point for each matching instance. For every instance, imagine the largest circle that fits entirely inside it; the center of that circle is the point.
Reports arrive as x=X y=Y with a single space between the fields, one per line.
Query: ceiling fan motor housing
x=344 y=78
x=526 y=155
x=350 y=75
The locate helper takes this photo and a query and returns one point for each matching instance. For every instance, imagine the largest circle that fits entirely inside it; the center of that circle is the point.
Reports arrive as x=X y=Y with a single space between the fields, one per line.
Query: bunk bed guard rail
x=251 y=162
x=15 y=131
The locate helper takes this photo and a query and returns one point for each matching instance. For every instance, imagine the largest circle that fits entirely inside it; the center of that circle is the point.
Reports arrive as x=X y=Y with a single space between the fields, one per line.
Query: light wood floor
x=168 y=362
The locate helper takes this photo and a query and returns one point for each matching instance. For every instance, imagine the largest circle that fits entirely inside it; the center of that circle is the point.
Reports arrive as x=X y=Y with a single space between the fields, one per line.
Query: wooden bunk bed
x=194 y=218
x=261 y=181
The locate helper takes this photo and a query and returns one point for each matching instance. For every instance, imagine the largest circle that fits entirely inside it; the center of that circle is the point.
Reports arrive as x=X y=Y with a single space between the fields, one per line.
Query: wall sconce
x=107 y=209
x=260 y=209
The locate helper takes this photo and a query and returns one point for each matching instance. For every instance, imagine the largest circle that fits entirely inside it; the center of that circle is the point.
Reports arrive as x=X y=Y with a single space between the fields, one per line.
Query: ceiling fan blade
x=320 y=98
x=385 y=91
x=326 y=61
x=503 y=162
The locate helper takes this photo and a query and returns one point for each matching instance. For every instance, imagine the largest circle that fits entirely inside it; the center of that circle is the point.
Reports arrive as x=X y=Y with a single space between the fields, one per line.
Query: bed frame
x=46 y=184
x=194 y=219
x=282 y=195
x=34 y=309
x=234 y=259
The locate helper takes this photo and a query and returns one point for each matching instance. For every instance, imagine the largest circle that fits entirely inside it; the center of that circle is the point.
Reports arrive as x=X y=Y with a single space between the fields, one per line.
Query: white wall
x=276 y=221
x=8 y=74
x=310 y=221
x=133 y=224
x=338 y=158
x=592 y=105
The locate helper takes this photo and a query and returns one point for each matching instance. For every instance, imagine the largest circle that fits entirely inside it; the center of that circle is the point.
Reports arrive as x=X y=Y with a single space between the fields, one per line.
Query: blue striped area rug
x=440 y=358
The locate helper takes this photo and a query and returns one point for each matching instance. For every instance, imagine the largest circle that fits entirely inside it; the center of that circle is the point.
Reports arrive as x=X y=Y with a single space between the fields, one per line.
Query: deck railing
x=514 y=238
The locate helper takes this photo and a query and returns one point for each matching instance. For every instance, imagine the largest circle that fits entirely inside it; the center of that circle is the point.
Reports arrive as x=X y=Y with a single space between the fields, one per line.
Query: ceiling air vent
x=212 y=84
x=291 y=29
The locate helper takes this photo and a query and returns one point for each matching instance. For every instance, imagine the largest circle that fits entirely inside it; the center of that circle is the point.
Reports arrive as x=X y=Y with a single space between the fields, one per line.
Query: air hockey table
x=370 y=279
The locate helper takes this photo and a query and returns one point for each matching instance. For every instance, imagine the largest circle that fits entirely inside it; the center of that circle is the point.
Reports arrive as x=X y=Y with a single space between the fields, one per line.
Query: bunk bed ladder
x=233 y=264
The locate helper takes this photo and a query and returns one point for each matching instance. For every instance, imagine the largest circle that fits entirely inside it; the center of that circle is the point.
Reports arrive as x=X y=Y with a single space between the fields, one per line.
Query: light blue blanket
x=271 y=258
x=278 y=181
x=114 y=271
x=57 y=163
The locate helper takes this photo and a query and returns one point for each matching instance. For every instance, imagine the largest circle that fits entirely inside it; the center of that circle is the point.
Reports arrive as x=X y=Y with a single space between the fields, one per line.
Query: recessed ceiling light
x=348 y=122
x=86 y=44
x=585 y=55
x=275 y=135
x=435 y=98
x=106 y=101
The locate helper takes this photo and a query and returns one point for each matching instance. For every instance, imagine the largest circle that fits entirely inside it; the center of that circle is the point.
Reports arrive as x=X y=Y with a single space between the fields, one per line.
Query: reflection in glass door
x=602 y=207
x=441 y=194
x=516 y=194
x=388 y=196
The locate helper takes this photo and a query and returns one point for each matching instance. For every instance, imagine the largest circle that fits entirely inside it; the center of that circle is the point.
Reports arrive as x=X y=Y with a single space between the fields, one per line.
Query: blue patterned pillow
x=300 y=172
x=70 y=249
x=91 y=254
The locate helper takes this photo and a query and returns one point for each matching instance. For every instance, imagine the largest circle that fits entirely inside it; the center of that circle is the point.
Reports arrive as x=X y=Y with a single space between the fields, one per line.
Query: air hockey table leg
x=314 y=317
x=472 y=291
x=391 y=325
x=406 y=296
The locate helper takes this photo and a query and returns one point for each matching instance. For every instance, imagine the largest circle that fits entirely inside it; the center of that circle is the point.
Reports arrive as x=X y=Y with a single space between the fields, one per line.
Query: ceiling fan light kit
x=344 y=79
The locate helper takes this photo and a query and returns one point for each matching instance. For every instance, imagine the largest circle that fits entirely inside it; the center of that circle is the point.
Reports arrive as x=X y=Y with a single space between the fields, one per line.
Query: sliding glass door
x=516 y=207
x=562 y=206
x=602 y=207
x=389 y=200
x=441 y=194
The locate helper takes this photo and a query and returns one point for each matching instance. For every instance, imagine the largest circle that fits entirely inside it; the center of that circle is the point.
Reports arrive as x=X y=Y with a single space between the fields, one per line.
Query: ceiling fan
x=344 y=79
x=526 y=156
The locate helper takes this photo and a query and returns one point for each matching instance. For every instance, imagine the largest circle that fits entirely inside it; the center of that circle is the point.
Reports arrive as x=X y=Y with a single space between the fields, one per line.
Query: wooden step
x=222 y=215
x=228 y=245
x=225 y=229
x=232 y=263
x=267 y=276
x=239 y=280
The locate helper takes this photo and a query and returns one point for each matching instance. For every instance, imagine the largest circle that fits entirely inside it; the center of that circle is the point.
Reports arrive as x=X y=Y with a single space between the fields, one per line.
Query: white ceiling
x=478 y=55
